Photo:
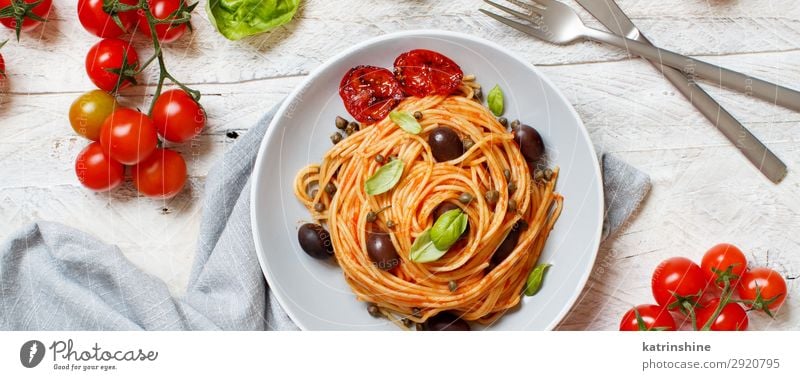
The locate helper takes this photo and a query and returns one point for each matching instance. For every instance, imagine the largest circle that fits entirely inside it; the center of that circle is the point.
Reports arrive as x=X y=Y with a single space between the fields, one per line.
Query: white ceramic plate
x=314 y=293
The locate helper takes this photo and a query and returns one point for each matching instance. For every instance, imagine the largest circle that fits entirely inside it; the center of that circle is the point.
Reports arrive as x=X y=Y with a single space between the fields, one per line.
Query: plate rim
x=272 y=131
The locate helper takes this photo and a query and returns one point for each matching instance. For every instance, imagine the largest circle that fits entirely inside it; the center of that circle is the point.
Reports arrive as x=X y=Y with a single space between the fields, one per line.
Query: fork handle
x=735 y=80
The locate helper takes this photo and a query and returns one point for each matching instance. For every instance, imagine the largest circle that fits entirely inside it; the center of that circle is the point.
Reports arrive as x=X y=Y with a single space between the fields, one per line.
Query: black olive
x=445 y=207
x=315 y=241
x=509 y=243
x=381 y=251
x=445 y=321
x=530 y=142
x=445 y=144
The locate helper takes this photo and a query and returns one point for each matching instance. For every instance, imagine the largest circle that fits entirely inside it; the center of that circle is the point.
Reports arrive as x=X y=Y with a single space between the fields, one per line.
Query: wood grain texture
x=704 y=191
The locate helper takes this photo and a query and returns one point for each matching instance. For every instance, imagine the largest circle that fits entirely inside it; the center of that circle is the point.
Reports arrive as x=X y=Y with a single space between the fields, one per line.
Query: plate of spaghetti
x=426 y=180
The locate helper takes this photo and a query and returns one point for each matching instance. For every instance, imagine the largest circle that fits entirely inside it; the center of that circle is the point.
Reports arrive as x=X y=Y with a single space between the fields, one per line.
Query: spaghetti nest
x=464 y=280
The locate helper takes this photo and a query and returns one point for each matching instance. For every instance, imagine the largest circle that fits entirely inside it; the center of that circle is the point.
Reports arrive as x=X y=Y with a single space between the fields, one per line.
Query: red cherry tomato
x=424 y=72
x=677 y=276
x=764 y=288
x=653 y=317
x=2 y=69
x=128 y=136
x=161 y=175
x=41 y=11
x=97 y=171
x=161 y=10
x=177 y=116
x=98 y=22
x=732 y=317
x=720 y=258
x=105 y=55
x=369 y=93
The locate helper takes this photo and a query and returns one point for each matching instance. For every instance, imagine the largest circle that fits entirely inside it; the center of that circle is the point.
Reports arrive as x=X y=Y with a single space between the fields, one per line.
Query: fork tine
x=525 y=28
x=511 y=11
x=544 y=3
x=528 y=6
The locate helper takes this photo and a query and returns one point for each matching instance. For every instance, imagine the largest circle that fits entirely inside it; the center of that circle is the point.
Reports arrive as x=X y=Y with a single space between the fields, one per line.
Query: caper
x=373 y=310
x=548 y=174
x=407 y=322
x=512 y=187
x=478 y=93
x=538 y=175
x=330 y=188
x=341 y=123
x=349 y=130
x=416 y=312
x=319 y=207
x=507 y=174
x=354 y=124
x=314 y=193
x=503 y=121
x=492 y=196
x=452 y=285
x=515 y=124
x=336 y=137
x=418 y=115
x=465 y=198
x=372 y=216
x=468 y=143
x=512 y=205
x=380 y=159
x=389 y=224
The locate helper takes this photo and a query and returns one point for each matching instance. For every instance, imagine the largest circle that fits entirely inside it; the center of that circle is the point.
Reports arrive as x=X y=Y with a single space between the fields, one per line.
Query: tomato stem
x=725 y=299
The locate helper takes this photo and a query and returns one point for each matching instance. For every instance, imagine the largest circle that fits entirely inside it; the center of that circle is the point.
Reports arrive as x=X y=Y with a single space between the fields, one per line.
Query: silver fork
x=557 y=23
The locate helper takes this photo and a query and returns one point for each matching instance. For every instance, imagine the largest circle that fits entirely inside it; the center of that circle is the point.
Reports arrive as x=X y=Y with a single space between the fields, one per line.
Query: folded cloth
x=53 y=277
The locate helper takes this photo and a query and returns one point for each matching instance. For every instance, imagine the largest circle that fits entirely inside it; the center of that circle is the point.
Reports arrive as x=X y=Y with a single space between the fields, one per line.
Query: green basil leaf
x=495 y=100
x=448 y=228
x=236 y=19
x=385 y=178
x=423 y=250
x=406 y=121
x=535 y=279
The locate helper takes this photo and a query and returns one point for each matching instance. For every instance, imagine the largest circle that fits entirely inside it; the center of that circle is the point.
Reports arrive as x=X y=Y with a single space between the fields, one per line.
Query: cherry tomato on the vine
x=732 y=317
x=161 y=10
x=653 y=318
x=161 y=175
x=96 y=170
x=763 y=288
x=108 y=55
x=721 y=258
x=31 y=15
x=177 y=116
x=89 y=111
x=128 y=136
x=677 y=276
x=2 y=67
x=97 y=21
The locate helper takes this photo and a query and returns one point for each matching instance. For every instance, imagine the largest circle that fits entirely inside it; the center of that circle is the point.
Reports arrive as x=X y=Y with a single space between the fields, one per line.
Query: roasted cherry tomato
x=97 y=21
x=108 y=55
x=2 y=65
x=96 y=170
x=721 y=258
x=88 y=113
x=30 y=15
x=369 y=93
x=177 y=116
x=128 y=136
x=650 y=318
x=762 y=289
x=424 y=72
x=677 y=276
x=732 y=317
x=161 y=175
x=162 y=10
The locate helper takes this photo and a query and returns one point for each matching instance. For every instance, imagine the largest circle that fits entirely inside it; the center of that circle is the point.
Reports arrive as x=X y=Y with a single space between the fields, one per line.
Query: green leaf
x=236 y=19
x=495 y=100
x=385 y=178
x=448 y=228
x=423 y=250
x=535 y=279
x=406 y=121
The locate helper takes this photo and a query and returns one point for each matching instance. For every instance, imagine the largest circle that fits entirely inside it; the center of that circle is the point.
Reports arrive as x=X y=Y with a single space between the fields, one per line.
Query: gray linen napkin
x=53 y=277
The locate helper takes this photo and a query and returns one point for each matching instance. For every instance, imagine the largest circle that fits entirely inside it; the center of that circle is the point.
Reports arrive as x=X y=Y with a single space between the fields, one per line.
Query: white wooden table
x=704 y=191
